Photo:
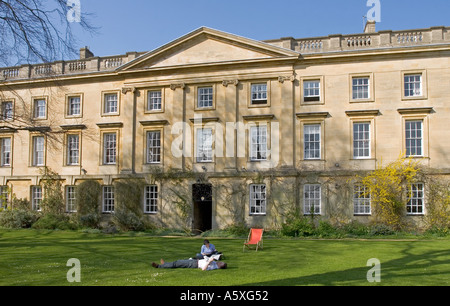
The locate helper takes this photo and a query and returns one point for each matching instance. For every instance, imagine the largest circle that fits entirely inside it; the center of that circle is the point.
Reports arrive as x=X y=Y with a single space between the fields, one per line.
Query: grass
x=39 y=257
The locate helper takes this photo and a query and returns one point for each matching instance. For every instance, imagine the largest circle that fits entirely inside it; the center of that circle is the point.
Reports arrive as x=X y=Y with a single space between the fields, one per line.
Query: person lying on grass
x=204 y=264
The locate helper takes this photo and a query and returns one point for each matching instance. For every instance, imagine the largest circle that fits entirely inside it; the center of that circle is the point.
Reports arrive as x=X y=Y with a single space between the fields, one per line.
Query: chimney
x=85 y=53
x=370 y=26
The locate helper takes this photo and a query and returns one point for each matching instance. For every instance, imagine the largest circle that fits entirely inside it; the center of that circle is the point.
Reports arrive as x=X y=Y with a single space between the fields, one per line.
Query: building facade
x=224 y=129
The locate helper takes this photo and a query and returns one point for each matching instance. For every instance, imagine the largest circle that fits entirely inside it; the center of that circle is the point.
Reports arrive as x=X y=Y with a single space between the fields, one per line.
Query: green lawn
x=31 y=257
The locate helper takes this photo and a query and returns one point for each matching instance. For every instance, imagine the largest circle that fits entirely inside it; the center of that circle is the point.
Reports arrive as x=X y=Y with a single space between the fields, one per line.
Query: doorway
x=202 y=199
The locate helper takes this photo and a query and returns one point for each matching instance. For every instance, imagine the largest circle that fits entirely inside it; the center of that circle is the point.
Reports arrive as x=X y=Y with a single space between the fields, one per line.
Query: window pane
x=413 y=85
x=413 y=137
x=70 y=199
x=311 y=91
x=258 y=142
x=258 y=199
x=74 y=107
x=361 y=200
x=154 y=100
x=7 y=110
x=108 y=199
x=311 y=136
x=205 y=97
x=39 y=108
x=36 y=197
x=415 y=199
x=259 y=94
x=312 y=198
x=361 y=140
x=153 y=147
x=73 y=149
x=38 y=151
x=204 y=145
x=360 y=88
x=151 y=199
x=5 y=151
x=109 y=148
x=110 y=103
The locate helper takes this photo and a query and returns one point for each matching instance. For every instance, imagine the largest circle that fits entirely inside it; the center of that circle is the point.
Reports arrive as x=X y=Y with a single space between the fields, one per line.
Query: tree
x=39 y=30
x=388 y=189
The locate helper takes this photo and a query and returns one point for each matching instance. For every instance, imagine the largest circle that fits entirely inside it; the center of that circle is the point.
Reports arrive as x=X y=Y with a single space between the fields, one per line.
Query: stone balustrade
x=331 y=43
x=80 y=66
x=381 y=39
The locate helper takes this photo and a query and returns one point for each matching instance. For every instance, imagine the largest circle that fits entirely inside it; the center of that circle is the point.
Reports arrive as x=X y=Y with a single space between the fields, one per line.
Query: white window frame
x=413 y=138
x=312 y=197
x=108 y=199
x=312 y=93
x=151 y=199
x=7 y=110
x=258 y=141
x=153 y=147
x=110 y=103
x=259 y=94
x=258 y=199
x=416 y=199
x=74 y=106
x=109 y=148
x=412 y=87
x=73 y=149
x=204 y=150
x=308 y=142
x=38 y=151
x=361 y=88
x=36 y=197
x=4 y=193
x=40 y=108
x=361 y=200
x=362 y=140
x=205 y=97
x=154 y=100
x=71 y=199
x=6 y=151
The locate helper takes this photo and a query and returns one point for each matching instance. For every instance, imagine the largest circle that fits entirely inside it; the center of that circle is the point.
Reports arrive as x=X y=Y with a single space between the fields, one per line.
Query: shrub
x=437 y=217
x=88 y=195
x=90 y=220
x=20 y=204
x=54 y=221
x=128 y=214
x=53 y=201
x=325 y=229
x=128 y=195
x=438 y=231
x=355 y=228
x=297 y=226
x=18 y=218
x=387 y=187
x=128 y=220
x=239 y=229
x=381 y=230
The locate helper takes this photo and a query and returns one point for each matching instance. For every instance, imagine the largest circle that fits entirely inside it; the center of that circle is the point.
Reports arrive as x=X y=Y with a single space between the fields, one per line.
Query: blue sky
x=143 y=25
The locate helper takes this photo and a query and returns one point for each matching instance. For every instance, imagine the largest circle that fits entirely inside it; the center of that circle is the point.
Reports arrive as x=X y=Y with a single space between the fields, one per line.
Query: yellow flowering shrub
x=387 y=187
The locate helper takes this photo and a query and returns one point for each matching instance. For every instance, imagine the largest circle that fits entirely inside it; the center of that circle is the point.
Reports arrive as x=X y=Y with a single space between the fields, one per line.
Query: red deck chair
x=255 y=237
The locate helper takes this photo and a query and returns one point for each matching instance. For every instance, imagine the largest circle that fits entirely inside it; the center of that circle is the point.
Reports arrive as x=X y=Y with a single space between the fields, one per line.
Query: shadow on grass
x=410 y=269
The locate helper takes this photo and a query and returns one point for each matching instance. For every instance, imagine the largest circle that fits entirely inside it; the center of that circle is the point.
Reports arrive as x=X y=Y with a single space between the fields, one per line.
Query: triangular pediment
x=207 y=46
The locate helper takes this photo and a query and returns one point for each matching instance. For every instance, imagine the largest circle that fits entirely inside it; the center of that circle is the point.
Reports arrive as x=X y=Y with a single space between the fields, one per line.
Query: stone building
x=224 y=129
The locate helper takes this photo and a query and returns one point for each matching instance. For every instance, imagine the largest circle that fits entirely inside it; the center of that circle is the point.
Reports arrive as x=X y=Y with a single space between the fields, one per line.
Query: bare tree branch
x=38 y=31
